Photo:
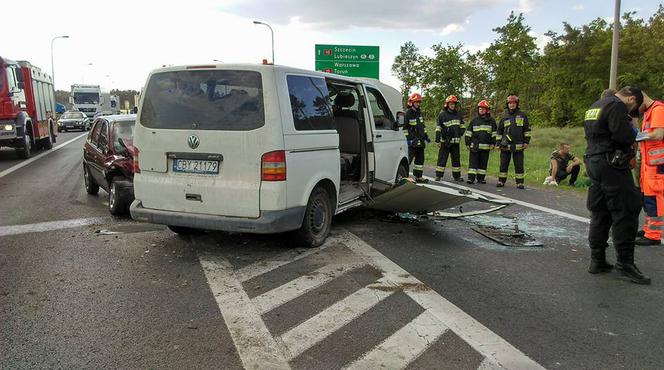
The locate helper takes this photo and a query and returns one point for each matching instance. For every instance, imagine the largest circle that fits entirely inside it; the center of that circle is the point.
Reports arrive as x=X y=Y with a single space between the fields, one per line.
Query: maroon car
x=108 y=160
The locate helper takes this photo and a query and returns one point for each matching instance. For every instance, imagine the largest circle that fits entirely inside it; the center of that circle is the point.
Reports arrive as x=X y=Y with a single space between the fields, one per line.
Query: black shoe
x=481 y=182
x=629 y=271
x=421 y=180
x=642 y=240
x=500 y=184
x=459 y=179
x=470 y=182
x=520 y=186
x=640 y=234
x=598 y=267
x=438 y=178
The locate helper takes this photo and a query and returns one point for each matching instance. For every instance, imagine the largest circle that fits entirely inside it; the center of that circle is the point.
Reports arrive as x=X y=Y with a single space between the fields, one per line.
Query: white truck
x=87 y=99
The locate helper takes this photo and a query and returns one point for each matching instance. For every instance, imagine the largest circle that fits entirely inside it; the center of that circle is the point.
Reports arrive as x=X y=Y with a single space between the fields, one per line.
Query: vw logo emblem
x=193 y=141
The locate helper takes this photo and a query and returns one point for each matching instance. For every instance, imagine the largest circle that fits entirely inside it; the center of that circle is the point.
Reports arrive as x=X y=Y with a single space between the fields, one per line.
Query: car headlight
x=9 y=128
x=59 y=123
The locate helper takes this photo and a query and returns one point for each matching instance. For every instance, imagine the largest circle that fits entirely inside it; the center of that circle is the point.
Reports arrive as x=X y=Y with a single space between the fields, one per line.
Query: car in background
x=108 y=155
x=73 y=120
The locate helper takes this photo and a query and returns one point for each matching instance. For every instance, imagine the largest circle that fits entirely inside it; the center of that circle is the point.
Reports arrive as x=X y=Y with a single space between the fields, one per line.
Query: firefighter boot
x=642 y=240
x=598 y=262
x=629 y=271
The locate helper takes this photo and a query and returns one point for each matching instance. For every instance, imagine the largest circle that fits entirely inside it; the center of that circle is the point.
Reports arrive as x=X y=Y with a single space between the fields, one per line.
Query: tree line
x=555 y=85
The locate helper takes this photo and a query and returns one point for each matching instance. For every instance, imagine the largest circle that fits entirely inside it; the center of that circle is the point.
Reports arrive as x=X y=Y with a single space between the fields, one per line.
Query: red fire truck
x=27 y=107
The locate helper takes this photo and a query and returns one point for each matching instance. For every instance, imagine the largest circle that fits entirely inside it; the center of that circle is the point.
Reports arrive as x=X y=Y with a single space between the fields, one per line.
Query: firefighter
x=652 y=170
x=416 y=135
x=512 y=138
x=613 y=200
x=449 y=130
x=480 y=138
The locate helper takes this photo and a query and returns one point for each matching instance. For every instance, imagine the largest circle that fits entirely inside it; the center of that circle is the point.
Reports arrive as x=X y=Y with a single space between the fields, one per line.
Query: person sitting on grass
x=563 y=164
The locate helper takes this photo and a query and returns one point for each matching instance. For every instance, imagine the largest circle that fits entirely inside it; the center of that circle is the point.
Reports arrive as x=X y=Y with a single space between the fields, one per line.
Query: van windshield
x=204 y=100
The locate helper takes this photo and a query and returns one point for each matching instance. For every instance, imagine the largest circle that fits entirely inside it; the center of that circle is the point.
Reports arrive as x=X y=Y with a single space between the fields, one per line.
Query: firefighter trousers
x=443 y=154
x=614 y=204
x=505 y=157
x=416 y=154
x=477 y=163
x=653 y=205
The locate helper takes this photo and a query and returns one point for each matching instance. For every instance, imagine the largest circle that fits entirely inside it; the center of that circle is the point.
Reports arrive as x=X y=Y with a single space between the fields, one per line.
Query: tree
x=406 y=67
x=442 y=75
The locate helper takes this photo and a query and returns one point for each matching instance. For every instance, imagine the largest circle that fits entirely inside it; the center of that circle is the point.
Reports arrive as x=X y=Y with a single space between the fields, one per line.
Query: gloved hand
x=426 y=138
x=410 y=142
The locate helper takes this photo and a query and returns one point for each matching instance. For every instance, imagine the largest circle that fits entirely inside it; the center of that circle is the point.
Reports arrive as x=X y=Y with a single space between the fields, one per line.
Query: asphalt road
x=82 y=289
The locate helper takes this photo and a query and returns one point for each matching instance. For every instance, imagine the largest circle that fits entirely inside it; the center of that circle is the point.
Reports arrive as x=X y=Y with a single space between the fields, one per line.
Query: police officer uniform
x=449 y=130
x=480 y=138
x=512 y=134
x=613 y=200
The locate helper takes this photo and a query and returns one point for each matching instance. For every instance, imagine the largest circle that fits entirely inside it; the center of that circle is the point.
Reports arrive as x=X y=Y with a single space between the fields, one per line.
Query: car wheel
x=183 y=230
x=91 y=187
x=117 y=202
x=317 y=219
x=402 y=173
x=26 y=150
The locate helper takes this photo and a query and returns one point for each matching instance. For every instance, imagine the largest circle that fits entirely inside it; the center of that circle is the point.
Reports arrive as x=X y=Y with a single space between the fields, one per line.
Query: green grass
x=544 y=141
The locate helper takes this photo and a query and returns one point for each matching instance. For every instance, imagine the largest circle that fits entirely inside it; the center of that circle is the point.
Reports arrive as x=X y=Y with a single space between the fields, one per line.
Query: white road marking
x=255 y=345
x=261 y=267
x=276 y=297
x=333 y=318
x=483 y=340
x=50 y=226
x=404 y=346
x=30 y=160
x=516 y=201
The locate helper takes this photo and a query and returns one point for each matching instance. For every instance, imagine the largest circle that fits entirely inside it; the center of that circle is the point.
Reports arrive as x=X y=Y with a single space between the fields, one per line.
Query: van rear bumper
x=268 y=223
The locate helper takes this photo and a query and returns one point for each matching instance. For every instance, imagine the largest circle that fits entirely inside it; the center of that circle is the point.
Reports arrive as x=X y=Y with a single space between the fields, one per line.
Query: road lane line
x=51 y=226
x=256 y=347
x=261 y=267
x=276 y=297
x=333 y=318
x=30 y=160
x=516 y=201
x=404 y=346
x=490 y=345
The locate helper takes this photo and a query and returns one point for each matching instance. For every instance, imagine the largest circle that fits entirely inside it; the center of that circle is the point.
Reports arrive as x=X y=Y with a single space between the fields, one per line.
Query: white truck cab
x=262 y=148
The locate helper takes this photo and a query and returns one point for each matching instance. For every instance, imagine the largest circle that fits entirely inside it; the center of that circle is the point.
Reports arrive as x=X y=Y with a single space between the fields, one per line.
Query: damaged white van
x=262 y=148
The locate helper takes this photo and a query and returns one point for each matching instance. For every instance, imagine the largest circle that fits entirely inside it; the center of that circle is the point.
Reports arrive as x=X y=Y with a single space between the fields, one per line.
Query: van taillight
x=273 y=166
x=137 y=169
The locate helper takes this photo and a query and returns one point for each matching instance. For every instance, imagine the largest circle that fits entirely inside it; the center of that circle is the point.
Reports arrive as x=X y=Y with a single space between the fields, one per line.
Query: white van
x=262 y=148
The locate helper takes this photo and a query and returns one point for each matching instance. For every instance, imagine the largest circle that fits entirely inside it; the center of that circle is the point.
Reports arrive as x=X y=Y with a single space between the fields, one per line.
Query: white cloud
x=540 y=40
x=526 y=6
x=474 y=48
x=451 y=28
x=578 y=7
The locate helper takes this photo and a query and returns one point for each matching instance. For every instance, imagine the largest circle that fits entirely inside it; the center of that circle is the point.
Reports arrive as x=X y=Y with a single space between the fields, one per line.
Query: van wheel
x=402 y=173
x=117 y=202
x=183 y=230
x=91 y=186
x=317 y=219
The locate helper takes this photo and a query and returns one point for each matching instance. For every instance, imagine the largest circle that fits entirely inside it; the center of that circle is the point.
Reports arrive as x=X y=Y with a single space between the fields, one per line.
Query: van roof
x=267 y=67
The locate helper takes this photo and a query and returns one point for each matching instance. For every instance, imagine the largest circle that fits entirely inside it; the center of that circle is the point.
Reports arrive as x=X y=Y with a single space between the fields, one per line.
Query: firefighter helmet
x=415 y=98
x=512 y=99
x=484 y=104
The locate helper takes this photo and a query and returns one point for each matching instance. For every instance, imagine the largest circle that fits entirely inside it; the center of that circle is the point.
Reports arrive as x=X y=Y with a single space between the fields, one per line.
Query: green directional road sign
x=348 y=60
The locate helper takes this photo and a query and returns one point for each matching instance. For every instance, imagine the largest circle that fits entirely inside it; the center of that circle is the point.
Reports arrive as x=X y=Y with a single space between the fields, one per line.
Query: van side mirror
x=401 y=121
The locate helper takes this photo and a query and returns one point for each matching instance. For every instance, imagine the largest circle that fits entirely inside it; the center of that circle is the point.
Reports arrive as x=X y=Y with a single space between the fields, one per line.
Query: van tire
x=402 y=173
x=317 y=220
x=117 y=201
x=183 y=230
x=91 y=187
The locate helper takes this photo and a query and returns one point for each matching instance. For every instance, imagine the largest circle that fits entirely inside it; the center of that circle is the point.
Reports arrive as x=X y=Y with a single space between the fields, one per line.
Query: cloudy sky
x=117 y=43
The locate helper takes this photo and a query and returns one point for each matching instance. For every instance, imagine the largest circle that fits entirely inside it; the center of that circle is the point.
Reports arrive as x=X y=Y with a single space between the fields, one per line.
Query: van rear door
x=201 y=134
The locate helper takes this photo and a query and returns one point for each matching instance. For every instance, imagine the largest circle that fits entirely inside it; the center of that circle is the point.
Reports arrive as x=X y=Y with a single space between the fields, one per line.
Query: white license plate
x=195 y=166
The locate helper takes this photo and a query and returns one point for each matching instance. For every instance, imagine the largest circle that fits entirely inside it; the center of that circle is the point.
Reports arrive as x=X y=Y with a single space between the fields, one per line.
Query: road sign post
x=348 y=60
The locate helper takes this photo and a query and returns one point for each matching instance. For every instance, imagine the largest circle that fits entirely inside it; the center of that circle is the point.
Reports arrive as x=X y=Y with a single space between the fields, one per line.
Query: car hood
x=72 y=120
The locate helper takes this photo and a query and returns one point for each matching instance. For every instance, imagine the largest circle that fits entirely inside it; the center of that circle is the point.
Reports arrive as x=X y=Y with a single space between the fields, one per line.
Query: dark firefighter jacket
x=608 y=127
x=415 y=131
x=513 y=131
x=481 y=133
x=449 y=128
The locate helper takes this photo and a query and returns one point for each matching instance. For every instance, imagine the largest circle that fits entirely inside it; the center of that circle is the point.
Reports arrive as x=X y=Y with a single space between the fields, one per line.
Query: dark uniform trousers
x=443 y=153
x=615 y=203
x=505 y=156
x=417 y=154
x=477 y=164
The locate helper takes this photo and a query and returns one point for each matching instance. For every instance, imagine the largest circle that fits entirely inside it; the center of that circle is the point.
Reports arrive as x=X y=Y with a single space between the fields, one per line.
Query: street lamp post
x=52 y=65
x=613 y=74
x=272 y=33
